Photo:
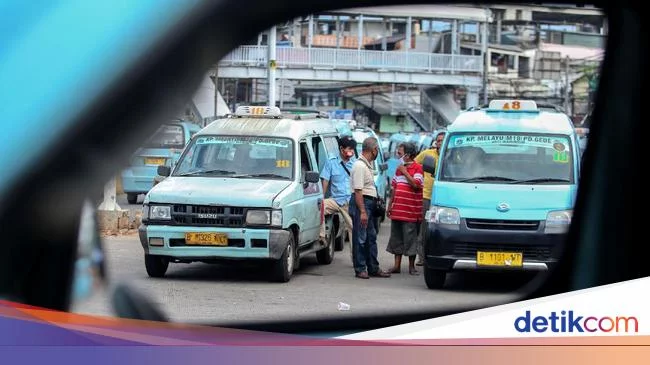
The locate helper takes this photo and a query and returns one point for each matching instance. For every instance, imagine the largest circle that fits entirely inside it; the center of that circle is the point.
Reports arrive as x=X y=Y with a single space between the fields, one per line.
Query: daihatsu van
x=504 y=193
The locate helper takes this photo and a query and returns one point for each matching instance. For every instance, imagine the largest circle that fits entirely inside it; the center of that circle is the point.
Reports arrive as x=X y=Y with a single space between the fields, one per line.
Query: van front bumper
x=243 y=243
x=456 y=248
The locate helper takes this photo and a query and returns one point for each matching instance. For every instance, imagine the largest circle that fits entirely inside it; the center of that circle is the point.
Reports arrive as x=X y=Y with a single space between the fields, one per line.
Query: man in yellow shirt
x=427 y=189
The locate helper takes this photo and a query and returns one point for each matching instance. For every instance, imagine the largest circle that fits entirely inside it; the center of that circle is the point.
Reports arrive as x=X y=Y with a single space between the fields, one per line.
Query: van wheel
x=283 y=268
x=132 y=198
x=435 y=279
x=326 y=255
x=156 y=265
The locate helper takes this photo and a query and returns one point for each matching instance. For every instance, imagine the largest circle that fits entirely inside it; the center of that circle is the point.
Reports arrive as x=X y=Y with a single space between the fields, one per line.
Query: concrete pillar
x=110 y=196
x=272 y=65
x=407 y=41
x=430 y=35
x=472 y=97
x=360 y=40
x=486 y=62
x=310 y=36
x=498 y=40
x=383 y=41
x=360 y=33
x=338 y=32
x=454 y=37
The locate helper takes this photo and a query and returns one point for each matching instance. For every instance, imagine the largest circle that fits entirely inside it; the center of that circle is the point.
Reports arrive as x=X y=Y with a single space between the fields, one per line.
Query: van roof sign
x=258 y=111
x=513 y=106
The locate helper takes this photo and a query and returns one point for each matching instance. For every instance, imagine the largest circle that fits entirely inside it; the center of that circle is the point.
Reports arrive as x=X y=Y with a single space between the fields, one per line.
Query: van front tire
x=156 y=265
x=132 y=198
x=435 y=279
x=282 y=269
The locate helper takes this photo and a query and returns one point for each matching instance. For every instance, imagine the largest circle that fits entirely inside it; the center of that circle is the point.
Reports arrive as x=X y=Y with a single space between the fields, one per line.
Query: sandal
x=380 y=274
x=414 y=272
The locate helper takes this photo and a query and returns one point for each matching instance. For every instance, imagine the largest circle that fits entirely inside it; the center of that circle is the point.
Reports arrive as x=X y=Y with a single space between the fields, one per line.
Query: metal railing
x=333 y=58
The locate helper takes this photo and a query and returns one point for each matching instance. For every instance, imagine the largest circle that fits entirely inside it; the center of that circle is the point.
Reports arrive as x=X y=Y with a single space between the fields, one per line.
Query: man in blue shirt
x=336 y=177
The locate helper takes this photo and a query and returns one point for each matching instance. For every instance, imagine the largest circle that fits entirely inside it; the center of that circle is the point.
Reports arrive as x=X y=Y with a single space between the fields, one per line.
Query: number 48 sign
x=513 y=105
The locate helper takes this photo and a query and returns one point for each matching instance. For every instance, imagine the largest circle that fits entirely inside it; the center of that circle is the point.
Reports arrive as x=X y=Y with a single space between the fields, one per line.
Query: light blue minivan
x=504 y=193
x=246 y=187
x=163 y=148
x=391 y=156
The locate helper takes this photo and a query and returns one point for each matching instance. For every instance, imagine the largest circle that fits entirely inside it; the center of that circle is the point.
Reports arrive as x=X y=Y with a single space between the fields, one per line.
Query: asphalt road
x=203 y=293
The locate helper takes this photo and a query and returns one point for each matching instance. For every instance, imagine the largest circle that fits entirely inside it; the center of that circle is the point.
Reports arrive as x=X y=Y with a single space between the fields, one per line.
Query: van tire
x=282 y=269
x=435 y=279
x=156 y=265
x=132 y=198
x=325 y=256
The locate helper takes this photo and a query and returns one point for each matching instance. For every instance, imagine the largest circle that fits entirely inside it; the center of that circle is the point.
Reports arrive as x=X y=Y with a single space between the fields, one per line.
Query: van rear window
x=167 y=136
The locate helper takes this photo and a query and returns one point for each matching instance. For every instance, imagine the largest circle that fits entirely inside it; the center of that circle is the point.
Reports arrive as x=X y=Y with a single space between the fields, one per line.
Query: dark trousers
x=364 y=239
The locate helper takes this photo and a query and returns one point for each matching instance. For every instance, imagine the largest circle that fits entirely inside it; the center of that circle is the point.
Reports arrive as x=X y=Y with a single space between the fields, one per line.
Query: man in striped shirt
x=405 y=210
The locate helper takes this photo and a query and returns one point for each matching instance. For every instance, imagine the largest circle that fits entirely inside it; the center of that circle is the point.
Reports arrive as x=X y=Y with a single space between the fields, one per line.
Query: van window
x=321 y=154
x=241 y=156
x=332 y=146
x=167 y=136
x=306 y=165
x=500 y=157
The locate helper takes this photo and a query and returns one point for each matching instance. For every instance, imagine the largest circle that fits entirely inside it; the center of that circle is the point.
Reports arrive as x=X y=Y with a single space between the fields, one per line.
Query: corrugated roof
x=423 y=12
x=574 y=52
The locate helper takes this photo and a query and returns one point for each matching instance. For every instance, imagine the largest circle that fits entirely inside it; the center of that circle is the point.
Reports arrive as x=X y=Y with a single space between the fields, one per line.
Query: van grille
x=201 y=215
x=503 y=225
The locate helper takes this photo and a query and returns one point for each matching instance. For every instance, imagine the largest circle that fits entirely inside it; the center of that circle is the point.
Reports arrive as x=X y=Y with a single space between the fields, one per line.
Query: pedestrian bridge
x=335 y=64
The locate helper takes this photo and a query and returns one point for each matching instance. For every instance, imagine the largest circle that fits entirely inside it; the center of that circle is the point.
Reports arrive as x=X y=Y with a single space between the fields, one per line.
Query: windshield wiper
x=225 y=172
x=485 y=178
x=541 y=180
x=261 y=175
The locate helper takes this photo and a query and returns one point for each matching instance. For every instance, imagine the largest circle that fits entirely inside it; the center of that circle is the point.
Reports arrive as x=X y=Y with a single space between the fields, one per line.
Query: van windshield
x=507 y=158
x=238 y=157
x=167 y=136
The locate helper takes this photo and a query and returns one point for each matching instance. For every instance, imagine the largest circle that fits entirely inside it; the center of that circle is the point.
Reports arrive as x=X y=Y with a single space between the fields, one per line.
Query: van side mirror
x=312 y=177
x=164 y=170
x=429 y=165
x=383 y=167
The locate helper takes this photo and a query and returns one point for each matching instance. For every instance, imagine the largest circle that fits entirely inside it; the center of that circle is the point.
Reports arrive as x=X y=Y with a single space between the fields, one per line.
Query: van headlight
x=264 y=217
x=558 y=221
x=444 y=216
x=160 y=212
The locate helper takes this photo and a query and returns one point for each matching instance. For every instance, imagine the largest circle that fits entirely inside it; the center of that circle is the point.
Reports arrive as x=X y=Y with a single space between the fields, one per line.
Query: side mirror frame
x=164 y=170
x=429 y=165
x=312 y=177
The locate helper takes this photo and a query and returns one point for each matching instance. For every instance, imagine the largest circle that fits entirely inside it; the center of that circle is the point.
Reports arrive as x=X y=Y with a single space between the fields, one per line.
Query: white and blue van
x=505 y=190
x=246 y=187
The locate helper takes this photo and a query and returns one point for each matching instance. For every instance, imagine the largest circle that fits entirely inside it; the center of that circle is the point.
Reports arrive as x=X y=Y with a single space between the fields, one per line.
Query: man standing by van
x=336 y=177
x=434 y=152
x=362 y=210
